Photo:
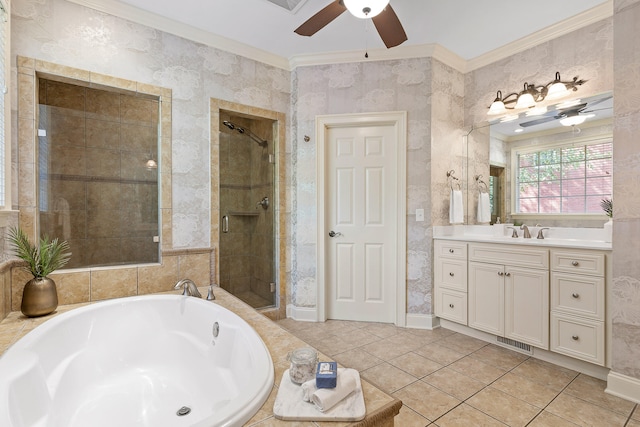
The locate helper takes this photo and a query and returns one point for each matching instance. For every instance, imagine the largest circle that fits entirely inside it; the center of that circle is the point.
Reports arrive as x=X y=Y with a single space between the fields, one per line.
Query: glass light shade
x=151 y=164
x=358 y=7
x=497 y=107
x=536 y=111
x=525 y=100
x=573 y=120
x=557 y=90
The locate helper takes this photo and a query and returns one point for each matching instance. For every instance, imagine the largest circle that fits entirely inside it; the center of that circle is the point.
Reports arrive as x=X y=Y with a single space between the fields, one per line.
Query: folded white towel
x=327 y=398
x=308 y=388
x=456 y=210
x=484 y=208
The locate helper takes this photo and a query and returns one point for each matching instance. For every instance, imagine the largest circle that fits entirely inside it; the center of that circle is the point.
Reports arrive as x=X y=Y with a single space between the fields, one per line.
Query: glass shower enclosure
x=247 y=220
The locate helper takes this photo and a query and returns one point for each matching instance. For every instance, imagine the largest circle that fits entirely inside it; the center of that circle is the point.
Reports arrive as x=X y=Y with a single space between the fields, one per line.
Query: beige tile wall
x=83 y=285
x=218 y=110
x=96 y=146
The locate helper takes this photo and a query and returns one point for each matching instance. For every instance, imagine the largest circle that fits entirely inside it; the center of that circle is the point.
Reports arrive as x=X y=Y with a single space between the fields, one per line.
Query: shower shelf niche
x=243 y=213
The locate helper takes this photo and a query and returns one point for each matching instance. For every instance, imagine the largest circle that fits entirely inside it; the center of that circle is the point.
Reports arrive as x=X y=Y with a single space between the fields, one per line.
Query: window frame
x=6 y=212
x=526 y=149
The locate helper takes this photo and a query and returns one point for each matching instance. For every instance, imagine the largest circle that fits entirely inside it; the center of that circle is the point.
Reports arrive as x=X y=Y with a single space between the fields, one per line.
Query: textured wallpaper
x=68 y=34
x=416 y=86
x=625 y=289
x=441 y=103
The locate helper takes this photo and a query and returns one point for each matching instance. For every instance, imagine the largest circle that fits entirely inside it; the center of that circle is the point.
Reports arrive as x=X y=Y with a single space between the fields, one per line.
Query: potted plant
x=607 y=206
x=40 y=296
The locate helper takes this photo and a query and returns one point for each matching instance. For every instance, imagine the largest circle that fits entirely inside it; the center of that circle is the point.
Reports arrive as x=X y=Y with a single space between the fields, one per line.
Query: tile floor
x=447 y=379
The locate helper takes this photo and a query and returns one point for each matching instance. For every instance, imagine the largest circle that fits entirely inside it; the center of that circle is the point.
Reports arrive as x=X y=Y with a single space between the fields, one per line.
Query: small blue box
x=327 y=375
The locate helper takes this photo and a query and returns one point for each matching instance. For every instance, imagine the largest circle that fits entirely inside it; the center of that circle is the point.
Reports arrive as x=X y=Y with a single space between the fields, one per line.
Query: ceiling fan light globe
x=364 y=9
x=573 y=120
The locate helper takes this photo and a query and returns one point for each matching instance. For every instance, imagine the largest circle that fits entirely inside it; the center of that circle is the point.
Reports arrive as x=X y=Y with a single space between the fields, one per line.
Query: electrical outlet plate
x=419 y=214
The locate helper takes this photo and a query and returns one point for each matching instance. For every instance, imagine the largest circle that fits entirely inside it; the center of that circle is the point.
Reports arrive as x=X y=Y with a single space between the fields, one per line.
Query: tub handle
x=216 y=329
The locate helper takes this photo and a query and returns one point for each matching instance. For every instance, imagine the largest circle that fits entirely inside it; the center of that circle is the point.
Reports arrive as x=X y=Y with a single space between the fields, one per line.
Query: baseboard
x=623 y=386
x=587 y=368
x=422 y=321
x=302 y=314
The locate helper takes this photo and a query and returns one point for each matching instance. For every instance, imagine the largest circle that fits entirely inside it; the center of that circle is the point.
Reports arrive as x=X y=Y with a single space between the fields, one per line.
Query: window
x=563 y=179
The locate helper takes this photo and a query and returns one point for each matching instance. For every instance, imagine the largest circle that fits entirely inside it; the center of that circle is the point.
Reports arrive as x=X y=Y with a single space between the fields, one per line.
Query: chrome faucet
x=190 y=288
x=210 y=295
x=515 y=232
x=540 y=234
x=526 y=233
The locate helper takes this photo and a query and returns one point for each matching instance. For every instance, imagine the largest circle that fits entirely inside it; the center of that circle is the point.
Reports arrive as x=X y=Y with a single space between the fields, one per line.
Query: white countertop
x=557 y=237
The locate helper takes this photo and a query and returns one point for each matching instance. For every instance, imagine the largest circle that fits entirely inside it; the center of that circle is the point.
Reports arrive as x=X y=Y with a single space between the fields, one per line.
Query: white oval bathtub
x=135 y=362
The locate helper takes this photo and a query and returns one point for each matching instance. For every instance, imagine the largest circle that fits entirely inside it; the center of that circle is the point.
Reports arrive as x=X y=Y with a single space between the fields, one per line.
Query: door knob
x=334 y=234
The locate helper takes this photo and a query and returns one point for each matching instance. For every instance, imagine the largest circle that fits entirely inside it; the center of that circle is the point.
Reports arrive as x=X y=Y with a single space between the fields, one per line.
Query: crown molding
x=399 y=52
x=153 y=20
x=588 y=17
x=134 y=14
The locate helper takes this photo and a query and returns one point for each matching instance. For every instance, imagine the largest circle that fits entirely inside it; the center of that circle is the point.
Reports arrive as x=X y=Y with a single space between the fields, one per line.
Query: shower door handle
x=225 y=224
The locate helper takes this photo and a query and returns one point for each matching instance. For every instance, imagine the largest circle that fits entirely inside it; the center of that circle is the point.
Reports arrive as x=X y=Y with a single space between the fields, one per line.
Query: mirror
x=571 y=122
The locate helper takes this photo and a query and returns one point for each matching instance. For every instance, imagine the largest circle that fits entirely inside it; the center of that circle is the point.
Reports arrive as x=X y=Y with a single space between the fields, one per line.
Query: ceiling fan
x=570 y=115
x=386 y=21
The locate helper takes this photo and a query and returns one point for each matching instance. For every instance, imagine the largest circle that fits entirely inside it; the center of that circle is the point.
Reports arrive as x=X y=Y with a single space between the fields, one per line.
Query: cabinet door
x=486 y=297
x=527 y=305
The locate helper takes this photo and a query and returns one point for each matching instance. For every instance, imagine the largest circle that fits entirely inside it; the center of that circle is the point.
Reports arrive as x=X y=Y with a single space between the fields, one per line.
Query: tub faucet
x=515 y=232
x=190 y=288
x=526 y=234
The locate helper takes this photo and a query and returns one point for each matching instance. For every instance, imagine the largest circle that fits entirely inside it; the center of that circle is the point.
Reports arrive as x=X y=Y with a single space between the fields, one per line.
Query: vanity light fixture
x=365 y=8
x=536 y=111
x=532 y=94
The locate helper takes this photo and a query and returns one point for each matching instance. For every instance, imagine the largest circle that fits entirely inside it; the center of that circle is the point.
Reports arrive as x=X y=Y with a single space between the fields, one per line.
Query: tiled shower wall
x=246 y=176
x=95 y=190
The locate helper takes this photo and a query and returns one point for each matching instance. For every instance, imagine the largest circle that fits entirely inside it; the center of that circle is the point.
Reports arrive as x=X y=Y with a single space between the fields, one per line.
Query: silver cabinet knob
x=334 y=234
x=575 y=263
x=450 y=305
x=575 y=295
x=451 y=274
x=451 y=251
x=507 y=274
x=575 y=337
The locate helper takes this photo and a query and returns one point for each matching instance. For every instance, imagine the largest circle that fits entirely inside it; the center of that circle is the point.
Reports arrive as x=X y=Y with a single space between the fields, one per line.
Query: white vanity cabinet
x=578 y=304
x=450 y=280
x=508 y=292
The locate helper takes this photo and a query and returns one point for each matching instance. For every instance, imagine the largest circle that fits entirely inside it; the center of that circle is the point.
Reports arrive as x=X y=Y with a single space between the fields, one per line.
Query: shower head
x=232 y=126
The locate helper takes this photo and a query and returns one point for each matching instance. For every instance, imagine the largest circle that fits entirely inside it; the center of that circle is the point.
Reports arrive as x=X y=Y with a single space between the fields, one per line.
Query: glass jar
x=304 y=362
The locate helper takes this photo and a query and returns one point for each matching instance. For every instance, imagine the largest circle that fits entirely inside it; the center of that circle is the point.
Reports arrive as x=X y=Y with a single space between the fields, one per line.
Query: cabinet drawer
x=450 y=249
x=578 y=294
x=581 y=262
x=451 y=305
x=579 y=338
x=509 y=255
x=451 y=274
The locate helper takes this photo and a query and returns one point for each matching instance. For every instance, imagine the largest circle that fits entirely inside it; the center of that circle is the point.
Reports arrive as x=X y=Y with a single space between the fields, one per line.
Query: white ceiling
x=468 y=28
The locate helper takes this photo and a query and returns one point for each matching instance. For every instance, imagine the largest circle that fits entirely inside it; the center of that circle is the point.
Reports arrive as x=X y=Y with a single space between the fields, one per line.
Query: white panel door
x=360 y=213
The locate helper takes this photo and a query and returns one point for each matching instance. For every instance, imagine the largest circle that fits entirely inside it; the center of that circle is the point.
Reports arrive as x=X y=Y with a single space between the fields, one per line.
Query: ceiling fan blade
x=389 y=27
x=537 y=121
x=320 y=19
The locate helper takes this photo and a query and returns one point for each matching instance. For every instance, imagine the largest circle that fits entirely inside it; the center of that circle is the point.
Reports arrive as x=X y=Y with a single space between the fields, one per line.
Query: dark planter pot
x=39 y=297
